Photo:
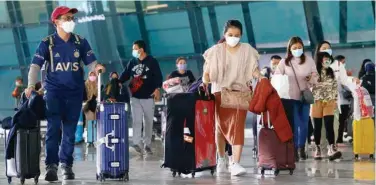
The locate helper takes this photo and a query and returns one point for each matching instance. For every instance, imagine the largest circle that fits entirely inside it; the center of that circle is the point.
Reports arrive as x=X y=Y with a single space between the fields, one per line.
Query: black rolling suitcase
x=188 y=113
x=27 y=148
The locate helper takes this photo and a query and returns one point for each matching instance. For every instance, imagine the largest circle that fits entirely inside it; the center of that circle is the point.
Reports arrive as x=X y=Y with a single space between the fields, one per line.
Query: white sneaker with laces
x=237 y=170
x=221 y=166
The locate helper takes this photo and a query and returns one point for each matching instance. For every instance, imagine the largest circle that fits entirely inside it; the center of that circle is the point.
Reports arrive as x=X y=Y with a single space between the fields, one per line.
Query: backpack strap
x=50 y=46
x=77 y=42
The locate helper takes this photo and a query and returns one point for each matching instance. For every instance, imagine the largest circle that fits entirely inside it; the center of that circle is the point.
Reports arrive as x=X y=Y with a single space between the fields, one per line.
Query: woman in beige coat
x=230 y=65
x=89 y=107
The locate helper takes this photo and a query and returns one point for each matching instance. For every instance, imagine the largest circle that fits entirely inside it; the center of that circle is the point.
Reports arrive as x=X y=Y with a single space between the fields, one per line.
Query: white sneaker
x=221 y=166
x=85 y=135
x=237 y=170
x=333 y=153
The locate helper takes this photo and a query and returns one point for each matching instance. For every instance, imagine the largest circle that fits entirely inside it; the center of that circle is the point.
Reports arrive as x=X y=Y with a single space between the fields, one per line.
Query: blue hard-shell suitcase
x=112 y=140
x=112 y=144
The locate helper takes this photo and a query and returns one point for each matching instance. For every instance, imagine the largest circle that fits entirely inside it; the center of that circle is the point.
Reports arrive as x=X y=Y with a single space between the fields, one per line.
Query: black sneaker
x=302 y=153
x=67 y=172
x=51 y=173
x=148 y=150
x=296 y=154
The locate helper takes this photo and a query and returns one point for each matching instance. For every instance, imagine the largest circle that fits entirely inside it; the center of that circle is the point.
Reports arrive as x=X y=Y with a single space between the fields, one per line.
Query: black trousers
x=329 y=121
x=310 y=130
x=345 y=109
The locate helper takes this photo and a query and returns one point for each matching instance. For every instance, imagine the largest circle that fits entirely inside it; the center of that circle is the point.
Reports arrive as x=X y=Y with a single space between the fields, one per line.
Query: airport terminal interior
x=173 y=29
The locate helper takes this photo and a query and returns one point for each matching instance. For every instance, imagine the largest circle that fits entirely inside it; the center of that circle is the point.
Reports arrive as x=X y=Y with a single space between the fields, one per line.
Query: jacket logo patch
x=57 y=55
x=76 y=54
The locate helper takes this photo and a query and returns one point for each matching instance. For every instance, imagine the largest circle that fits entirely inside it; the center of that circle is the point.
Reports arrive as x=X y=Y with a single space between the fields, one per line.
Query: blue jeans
x=62 y=113
x=301 y=118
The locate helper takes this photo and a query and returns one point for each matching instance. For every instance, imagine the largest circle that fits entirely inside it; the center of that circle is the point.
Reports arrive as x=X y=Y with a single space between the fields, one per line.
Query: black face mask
x=114 y=79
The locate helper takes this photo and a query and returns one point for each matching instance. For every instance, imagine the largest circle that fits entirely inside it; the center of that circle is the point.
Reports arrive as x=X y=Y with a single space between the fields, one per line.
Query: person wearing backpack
x=63 y=54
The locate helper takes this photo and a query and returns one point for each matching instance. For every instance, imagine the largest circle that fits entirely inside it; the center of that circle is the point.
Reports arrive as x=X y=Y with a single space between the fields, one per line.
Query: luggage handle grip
x=107 y=141
x=262 y=120
x=99 y=86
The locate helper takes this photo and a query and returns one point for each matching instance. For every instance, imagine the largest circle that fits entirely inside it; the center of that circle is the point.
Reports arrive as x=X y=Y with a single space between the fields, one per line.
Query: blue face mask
x=182 y=66
x=135 y=54
x=297 y=52
x=329 y=51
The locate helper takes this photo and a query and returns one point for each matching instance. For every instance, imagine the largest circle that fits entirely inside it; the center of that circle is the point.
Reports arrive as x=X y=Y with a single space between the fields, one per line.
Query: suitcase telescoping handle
x=262 y=120
x=99 y=86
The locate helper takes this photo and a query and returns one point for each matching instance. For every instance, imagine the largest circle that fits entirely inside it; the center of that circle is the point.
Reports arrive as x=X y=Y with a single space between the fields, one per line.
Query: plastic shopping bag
x=363 y=106
x=173 y=85
x=281 y=85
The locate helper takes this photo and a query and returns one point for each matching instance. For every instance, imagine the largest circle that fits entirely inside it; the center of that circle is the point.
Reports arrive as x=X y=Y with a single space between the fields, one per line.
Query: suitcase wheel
x=212 y=172
x=174 y=174
x=36 y=179
x=262 y=171
x=22 y=180
x=291 y=172
x=101 y=178
x=9 y=180
x=371 y=156
x=126 y=177
x=356 y=157
x=276 y=172
x=193 y=174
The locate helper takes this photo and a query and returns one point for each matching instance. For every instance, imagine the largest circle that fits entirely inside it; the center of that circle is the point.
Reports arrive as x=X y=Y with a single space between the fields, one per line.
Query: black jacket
x=368 y=82
x=150 y=72
x=31 y=111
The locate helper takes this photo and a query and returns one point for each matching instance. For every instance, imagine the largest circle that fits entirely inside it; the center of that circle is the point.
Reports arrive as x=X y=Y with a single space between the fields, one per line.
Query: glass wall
x=183 y=28
x=275 y=22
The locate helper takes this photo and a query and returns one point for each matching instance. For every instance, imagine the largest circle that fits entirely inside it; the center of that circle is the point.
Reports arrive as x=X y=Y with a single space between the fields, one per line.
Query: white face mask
x=273 y=67
x=329 y=51
x=232 y=41
x=297 y=52
x=68 y=26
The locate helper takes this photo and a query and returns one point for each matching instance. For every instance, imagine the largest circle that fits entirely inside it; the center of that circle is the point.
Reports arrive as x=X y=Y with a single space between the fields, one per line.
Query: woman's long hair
x=289 y=55
x=317 y=50
x=91 y=87
x=320 y=57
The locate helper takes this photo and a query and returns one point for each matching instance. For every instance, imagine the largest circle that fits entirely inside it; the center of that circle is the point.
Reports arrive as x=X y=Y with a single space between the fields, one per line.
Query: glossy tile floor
x=147 y=171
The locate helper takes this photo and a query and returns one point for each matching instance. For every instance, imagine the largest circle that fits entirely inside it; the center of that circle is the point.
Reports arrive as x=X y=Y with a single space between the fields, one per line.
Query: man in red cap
x=63 y=55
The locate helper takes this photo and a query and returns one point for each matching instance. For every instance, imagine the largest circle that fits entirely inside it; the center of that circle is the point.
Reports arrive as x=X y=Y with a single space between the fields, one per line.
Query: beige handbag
x=235 y=99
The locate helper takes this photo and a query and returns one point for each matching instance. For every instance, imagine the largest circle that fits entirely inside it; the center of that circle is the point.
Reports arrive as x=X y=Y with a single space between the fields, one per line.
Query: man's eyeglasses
x=68 y=18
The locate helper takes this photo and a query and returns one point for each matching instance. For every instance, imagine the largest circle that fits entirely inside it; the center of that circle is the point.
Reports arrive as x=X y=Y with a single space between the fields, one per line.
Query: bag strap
x=292 y=66
x=50 y=46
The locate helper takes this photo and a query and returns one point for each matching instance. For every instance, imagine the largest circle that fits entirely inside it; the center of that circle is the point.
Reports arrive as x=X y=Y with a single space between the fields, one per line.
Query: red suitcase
x=272 y=153
x=205 y=134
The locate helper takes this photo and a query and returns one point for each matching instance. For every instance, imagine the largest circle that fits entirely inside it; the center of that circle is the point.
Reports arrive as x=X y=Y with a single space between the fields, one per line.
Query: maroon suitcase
x=274 y=154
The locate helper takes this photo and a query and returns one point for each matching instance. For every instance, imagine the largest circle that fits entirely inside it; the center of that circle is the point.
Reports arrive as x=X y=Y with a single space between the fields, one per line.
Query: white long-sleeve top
x=342 y=79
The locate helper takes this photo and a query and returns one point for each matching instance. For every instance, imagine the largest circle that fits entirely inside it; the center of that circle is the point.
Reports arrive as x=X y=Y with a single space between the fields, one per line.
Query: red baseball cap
x=61 y=10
